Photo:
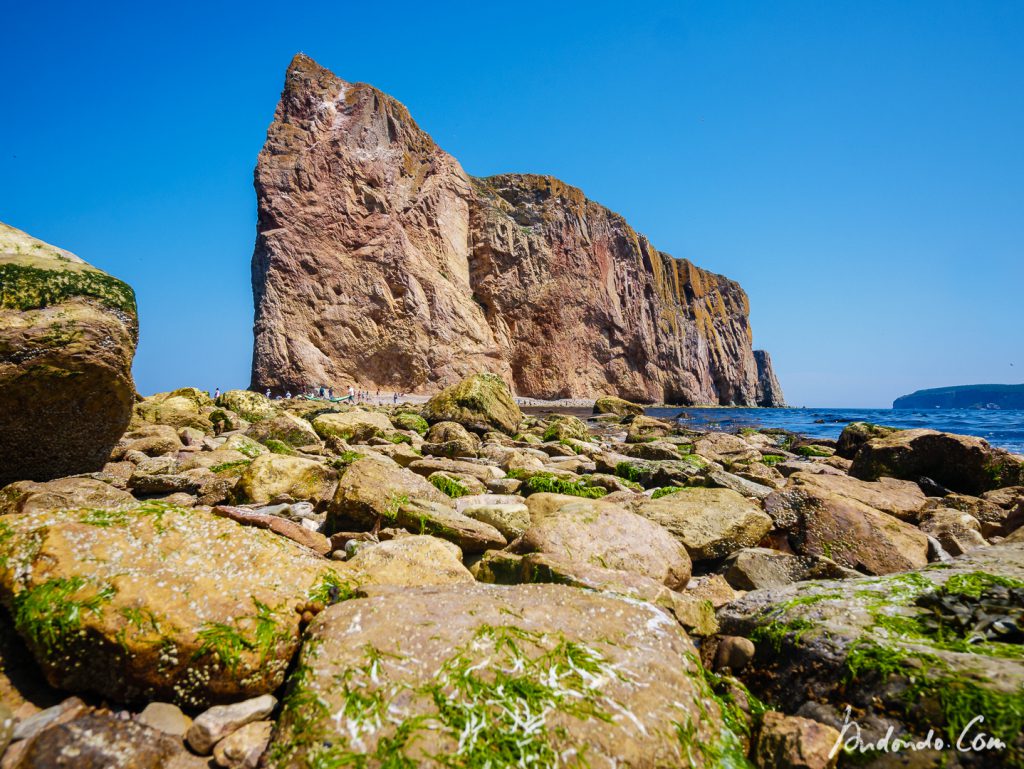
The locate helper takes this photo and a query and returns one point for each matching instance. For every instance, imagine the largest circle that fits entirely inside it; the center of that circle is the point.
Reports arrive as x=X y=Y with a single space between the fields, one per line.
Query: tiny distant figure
x=216 y=393
x=351 y=393
x=322 y=391
x=268 y=392
x=287 y=393
x=330 y=393
x=396 y=397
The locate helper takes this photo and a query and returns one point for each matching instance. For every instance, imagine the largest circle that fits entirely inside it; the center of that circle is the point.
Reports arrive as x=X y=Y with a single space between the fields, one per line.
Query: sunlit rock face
x=380 y=262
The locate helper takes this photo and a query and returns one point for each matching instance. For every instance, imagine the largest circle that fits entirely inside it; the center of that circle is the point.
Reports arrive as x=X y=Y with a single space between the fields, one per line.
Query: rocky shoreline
x=291 y=583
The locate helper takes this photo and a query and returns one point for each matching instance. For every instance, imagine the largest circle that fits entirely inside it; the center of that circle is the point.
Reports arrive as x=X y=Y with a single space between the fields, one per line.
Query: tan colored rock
x=427 y=466
x=792 y=742
x=429 y=275
x=507 y=513
x=284 y=427
x=847 y=531
x=901 y=499
x=958 y=532
x=711 y=523
x=609 y=404
x=157 y=603
x=151 y=440
x=242 y=749
x=373 y=492
x=67 y=338
x=214 y=724
x=165 y=717
x=411 y=561
x=272 y=477
x=725 y=448
x=31 y=497
x=347 y=424
x=633 y=696
x=594 y=533
x=250 y=406
x=180 y=409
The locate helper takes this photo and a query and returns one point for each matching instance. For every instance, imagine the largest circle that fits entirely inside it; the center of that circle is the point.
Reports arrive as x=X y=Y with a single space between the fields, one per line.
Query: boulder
x=156 y=602
x=601 y=534
x=479 y=403
x=150 y=440
x=891 y=649
x=374 y=492
x=183 y=408
x=315 y=541
x=507 y=513
x=958 y=532
x=100 y=740
x=450 y=439
x=250 y=406
x=563 y=427
x=900 y=499
x=275 y=477
x=349 y=424
x=67 y=337
x=286 y=428
x=710 y=523
x=852 y=534
x=410 y=561
x=427 y=466
x=856 y=434
x=755 y=568
x=526 y=675
x=644 y=428
x=961 y=463
x=725 y=448
x=609 y=404
x=31 y=497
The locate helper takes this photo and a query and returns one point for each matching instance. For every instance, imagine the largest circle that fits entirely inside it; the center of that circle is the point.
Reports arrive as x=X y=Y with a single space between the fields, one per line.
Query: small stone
x=791 y=742
x=166 y=717
x=60 y=713
x=221 y=720
x=734 y=653
x=242 y=749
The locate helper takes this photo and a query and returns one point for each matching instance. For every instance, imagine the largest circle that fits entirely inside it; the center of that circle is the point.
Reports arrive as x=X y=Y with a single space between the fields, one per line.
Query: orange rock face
x=379 y=262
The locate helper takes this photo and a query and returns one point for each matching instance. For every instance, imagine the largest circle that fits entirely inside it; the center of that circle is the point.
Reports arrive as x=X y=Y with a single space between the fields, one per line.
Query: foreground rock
x=67 y=338
x=601 y=534
x=532 y=675
x=711 y=523
x=911 y=649
x=63 y=493
x=156 y=602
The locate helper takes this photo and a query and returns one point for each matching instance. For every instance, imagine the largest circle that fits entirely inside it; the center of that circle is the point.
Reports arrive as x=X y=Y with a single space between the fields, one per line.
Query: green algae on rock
x=67 y=337
x=156 y=602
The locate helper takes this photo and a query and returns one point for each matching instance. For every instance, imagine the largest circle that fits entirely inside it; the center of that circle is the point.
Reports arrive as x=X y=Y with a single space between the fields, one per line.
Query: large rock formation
x=67 y=338
x=380 y=262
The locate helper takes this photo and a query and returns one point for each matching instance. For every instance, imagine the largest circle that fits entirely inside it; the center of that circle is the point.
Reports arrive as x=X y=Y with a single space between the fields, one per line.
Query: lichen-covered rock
x=187 y=407
x=156 y=602
x=530 y=675
x=479 y=403
x=375 y=492
x=67 y=337
x=856 y=434
x=821 y=522
x=286 y=428
x=602 y=534
x=98 y=740
x=961 y=463
x=881 y=646
x=411 y=561
x=564 y=427
x=711 y=523
x=60 y=494
x=609 y=404
x=348 y=424
x=428 y=275
x=250 y=406
x=272 y=477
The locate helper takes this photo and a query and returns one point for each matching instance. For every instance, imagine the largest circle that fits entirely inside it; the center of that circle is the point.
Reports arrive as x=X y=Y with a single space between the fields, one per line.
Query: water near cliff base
x=1002 y=428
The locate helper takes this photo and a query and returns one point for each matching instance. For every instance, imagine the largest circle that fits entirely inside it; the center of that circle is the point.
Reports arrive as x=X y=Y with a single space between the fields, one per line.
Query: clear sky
x=857 y=166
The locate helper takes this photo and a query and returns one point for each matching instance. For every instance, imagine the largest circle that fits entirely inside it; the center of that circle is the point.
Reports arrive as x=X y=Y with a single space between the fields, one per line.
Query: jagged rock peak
x=379 y=262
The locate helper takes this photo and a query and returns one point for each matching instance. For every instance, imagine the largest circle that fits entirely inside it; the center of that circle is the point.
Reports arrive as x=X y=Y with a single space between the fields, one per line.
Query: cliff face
x=380 y=262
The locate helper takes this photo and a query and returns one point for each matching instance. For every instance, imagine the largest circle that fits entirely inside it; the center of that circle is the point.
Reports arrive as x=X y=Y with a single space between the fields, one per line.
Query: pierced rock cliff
x=380 y=262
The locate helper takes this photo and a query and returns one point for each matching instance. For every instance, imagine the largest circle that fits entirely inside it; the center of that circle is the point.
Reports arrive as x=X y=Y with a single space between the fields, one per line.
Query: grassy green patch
x=28 y=288
x=448 y=486
x=547 y=482
x=664 y=491
x=279 y=447
x=772 y=459
x=231 y=468
x=50 y=614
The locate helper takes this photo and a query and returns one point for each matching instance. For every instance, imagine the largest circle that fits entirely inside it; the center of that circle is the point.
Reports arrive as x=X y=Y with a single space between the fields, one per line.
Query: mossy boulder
x=286 y=428
x=354 y=425
x=272 y=477
x=563 y=427
x=67 y=337
x=961 y=463
x=182 y=408
x=891 y=649
x=528 y=675
x=250 y=406
x=856 y=434
x=408 y=420
x=480 y=403
x=60 y=494
x=609 y=404
x=156 y=602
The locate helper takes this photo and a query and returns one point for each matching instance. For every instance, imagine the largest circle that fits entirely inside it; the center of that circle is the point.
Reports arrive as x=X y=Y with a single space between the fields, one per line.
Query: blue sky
x=857 y=166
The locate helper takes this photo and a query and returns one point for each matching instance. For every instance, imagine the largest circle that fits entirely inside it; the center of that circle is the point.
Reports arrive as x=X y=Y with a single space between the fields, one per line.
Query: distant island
x=983 y=396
